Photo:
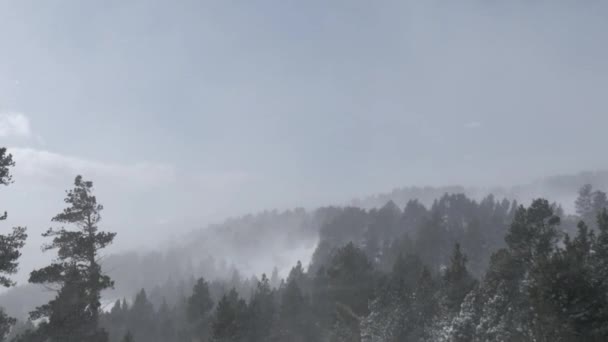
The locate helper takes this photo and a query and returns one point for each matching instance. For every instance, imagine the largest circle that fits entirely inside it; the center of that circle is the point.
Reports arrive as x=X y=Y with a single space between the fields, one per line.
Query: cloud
x=221 y=181
x=14 y=125
x=33 y=165
x=472 y=125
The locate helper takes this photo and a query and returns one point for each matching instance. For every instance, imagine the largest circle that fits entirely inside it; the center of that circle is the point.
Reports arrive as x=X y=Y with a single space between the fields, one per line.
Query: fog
x=190 y=113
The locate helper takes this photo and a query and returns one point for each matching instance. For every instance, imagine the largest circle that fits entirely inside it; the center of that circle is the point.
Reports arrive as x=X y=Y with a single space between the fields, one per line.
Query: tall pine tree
x=74 y=313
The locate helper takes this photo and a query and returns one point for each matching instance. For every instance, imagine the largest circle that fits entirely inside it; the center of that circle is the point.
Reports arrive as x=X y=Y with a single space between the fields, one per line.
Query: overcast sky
x=184 y=112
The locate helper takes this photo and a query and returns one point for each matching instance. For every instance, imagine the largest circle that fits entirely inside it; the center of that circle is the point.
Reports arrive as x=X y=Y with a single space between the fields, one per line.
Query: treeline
x=459 y=270
x=542 y=285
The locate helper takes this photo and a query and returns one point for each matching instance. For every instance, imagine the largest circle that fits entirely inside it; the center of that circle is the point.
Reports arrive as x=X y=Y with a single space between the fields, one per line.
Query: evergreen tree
x=432 y=241
x=565 y=298
x=10 y=244
x=297 y=275
x=600 y=202
x=390 y=317
x=351 y=279
x=295 y=321
x=322 y=305
x=458 y=282
x=513 y=288
x=141 y=318
x=73 y=315
x=533 y=233
x=6 y=323
x=230 y=320
x=166 y=324
x=589 y=204
x=599 y=275
x=464 y=326
x=584 y=203
x=199 y=306
x=115 y=321
x=261 y=311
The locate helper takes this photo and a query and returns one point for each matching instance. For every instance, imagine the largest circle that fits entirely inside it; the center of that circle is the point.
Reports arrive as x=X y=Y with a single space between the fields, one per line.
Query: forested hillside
x=457 y=270
x=303 y=171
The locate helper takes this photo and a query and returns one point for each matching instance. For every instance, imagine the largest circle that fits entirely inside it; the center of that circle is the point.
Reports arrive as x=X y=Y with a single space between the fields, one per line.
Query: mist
x=237 y=131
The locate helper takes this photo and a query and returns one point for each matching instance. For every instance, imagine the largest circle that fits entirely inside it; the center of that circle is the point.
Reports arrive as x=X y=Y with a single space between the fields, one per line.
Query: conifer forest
x=303 y=171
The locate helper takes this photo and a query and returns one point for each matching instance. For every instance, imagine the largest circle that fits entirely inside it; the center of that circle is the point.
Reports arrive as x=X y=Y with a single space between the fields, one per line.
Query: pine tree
x=166 y=324
x=515 y=283
x=322 y=305
x=295 y=321
x=351 y=279
x=599 y=269
x=141 y=317
x=230 y=319
x=390 y=316
x=73 y=315
x=589 y=204
x=432 y=241
x=600 y=202
x=261 y=311
x=568 y=294
x=458 y=282
x=533 y=234
x=10 y=244
x=584 y=202
x=297 y=275
x=199 y=306
x=6 y=323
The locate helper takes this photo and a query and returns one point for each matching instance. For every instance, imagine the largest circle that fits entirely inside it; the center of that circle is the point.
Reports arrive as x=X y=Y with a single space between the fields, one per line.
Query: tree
x=230 y=318
x=458 y=282
x=6 y=323
x=590 y=203
x=432 y=244
x=199 y=306
x=533 y=233
x=295 y=321
x=568 y=300
x=166 y=323
x=600 y=202
x=73 y=315
x=584 y=202
x=141 y=317
x=599 y=273
x=10 y=244
x=351 y=280
x=391 y=317
x=513 y=292
x=299 y=276
x=261 y=311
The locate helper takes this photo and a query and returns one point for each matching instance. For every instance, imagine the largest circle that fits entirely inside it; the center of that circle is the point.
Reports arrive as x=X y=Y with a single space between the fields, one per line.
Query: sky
x=186 y=112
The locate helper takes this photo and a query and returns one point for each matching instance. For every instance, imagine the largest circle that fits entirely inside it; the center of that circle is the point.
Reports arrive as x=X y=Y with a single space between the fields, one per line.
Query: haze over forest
x=227 y=140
